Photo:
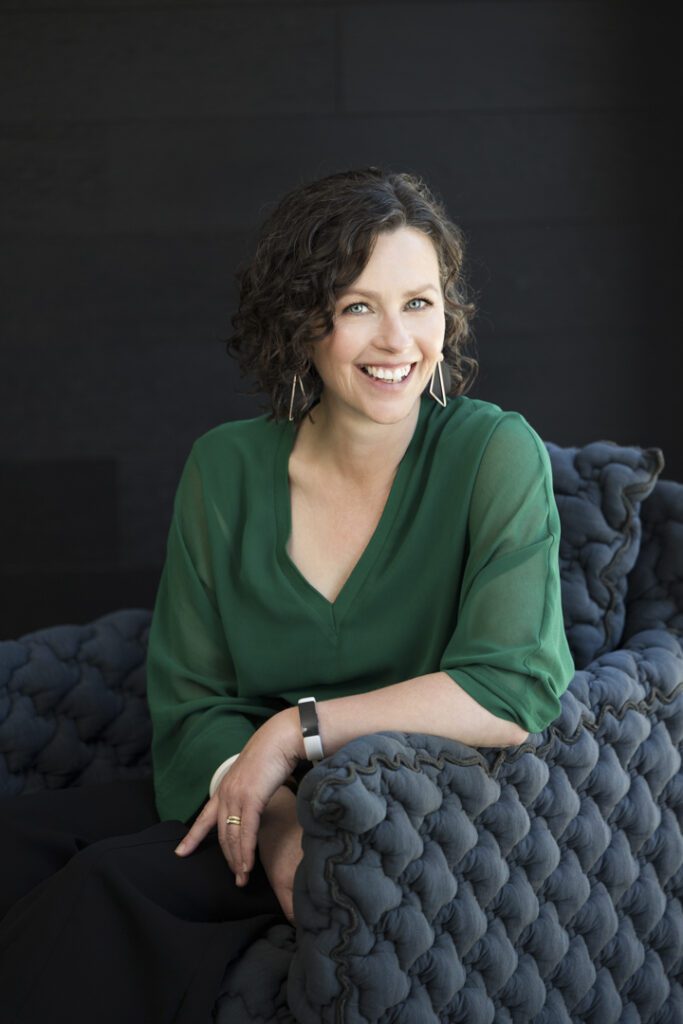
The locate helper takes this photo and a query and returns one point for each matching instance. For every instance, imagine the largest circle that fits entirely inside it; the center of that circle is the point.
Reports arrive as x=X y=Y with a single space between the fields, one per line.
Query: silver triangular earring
x=442 y=400
x=291 y=400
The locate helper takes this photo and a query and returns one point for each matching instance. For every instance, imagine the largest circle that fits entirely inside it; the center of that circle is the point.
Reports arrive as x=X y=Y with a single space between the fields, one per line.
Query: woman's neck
x=352 y=447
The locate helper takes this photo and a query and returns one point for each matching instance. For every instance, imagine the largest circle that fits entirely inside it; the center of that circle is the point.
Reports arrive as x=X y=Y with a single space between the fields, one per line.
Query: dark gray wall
x=142 y=145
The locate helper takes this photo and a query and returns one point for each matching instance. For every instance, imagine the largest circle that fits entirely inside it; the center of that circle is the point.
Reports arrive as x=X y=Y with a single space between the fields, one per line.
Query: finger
x=238 y=841
x=251 y=822
x=229 y=839
x=205 y=821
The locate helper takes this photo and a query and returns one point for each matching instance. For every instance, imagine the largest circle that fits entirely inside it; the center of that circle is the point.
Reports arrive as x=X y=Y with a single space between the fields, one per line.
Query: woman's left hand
x=280 y=847
x=267 y=759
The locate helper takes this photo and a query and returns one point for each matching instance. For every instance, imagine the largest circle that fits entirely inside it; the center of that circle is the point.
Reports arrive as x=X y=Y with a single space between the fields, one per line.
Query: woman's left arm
x=432 y=704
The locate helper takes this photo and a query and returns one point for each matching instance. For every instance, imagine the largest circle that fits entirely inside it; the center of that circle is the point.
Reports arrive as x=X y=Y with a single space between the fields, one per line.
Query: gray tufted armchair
x=442 y=883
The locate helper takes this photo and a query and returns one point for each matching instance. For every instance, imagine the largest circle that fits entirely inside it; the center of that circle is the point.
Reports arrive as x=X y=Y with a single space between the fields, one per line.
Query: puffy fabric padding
x=599 y=490
x=254 y=990
x=538 y=883
x=655 y=586
x=73 y=709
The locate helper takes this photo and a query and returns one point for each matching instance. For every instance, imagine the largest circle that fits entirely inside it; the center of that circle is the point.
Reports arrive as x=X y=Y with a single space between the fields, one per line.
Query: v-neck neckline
x=331 y=612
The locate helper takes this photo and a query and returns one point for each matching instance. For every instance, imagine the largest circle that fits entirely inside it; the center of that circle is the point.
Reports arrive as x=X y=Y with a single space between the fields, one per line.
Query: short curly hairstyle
x=314 y=245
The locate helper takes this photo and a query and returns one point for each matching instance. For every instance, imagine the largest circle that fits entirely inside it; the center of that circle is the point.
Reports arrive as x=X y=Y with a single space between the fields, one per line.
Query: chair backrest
x=599 y=490
x=654 y=598
x=73 y=709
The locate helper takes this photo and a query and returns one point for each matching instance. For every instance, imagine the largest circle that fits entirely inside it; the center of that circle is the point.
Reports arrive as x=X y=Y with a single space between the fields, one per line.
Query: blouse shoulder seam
x=492 y=431
x=232 y=433
x=547 y=484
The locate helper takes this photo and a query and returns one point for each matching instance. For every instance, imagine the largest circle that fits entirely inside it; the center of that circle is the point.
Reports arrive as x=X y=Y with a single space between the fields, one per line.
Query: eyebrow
x=374 y=295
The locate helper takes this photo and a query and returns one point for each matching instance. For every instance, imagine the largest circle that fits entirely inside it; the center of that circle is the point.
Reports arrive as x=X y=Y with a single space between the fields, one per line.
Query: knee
x=127 y=855
x=95 y=858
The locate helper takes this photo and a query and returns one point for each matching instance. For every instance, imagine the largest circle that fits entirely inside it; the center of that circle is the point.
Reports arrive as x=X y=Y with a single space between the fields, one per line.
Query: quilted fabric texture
x=442 y=883
x=72 y=704
x=655 y=587
x=599 y=490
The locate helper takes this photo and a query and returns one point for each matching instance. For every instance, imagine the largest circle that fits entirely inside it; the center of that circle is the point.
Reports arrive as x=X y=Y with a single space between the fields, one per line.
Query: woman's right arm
x=198 y=717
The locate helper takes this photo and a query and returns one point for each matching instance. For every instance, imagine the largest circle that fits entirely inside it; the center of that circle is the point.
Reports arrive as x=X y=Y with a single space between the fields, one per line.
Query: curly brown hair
x=314 y=245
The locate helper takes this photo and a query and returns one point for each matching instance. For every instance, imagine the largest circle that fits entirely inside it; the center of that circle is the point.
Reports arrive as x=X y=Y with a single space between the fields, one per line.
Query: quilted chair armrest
x=445 y=883
x=73 y=709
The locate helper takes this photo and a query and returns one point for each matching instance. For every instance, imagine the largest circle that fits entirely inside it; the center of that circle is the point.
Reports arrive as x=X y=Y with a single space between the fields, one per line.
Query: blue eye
x=348 y=308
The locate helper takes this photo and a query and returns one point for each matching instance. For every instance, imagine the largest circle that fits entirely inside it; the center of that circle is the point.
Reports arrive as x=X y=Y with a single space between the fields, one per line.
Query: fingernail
x=180 y=848
x=239 y=879
x=244 y=868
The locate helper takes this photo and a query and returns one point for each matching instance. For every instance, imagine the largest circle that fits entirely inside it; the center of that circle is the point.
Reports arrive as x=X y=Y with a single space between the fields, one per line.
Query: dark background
x=142 y=145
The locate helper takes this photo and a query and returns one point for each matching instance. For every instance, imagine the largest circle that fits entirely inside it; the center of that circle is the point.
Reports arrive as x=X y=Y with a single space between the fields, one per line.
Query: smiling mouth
x=390 y=377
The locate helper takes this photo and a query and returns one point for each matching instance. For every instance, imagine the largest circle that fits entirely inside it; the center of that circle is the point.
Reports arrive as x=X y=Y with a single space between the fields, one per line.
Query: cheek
x=343 y=348
x=329 y=356
x=432 y=344
x=435 y=333
x=437 y=322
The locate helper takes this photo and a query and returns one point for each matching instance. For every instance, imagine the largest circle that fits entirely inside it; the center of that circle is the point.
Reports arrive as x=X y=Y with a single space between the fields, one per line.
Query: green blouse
x=460 y=575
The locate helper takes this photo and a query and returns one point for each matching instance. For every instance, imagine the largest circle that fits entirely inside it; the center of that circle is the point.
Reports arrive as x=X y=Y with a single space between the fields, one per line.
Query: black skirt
x=101 y=921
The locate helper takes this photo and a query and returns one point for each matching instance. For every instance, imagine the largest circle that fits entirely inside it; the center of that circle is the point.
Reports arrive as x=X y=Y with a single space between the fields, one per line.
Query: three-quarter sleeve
x=198 y=718
x=509 y=649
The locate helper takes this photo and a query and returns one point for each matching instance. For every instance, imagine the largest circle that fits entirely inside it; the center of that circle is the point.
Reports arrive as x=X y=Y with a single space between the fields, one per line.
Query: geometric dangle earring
x=291 y=400
x=440 y=399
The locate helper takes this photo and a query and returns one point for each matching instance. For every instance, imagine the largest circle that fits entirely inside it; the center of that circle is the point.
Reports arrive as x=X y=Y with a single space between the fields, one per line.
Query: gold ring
x=233 y=820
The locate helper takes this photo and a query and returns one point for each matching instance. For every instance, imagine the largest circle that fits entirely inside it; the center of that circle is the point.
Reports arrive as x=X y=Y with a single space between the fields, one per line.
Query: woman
x=370 y=543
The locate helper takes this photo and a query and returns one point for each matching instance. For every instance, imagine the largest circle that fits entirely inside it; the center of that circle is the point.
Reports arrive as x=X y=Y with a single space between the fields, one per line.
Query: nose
x=393 y=335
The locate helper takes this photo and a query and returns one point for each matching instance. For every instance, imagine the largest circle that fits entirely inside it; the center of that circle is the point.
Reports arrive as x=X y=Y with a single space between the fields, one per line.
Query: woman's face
x=389 y=323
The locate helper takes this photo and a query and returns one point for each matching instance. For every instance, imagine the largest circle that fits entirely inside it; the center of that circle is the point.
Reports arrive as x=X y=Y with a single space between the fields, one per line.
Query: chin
x=391 y=414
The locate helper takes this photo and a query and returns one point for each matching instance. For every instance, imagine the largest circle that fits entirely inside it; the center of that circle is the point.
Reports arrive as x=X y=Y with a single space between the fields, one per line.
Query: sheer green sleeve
x=198 y=719
x=509 y=649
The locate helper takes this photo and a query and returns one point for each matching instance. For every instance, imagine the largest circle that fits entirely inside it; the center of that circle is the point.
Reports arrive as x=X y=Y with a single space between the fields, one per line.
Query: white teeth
x=396 y=373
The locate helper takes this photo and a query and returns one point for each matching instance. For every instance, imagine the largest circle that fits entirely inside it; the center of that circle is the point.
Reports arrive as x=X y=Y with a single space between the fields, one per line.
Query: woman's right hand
x=266 y=760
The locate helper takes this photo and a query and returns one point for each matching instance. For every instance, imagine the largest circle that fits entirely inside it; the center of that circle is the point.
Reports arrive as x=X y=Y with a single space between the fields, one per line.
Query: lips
x=382 y=382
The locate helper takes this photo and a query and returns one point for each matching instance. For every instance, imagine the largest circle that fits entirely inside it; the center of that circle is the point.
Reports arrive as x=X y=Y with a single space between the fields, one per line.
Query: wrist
x=291 y=726
x=310 y=729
